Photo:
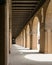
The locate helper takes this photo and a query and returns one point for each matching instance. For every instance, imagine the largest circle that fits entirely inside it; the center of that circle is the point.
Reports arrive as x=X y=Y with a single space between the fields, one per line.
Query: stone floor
x=23 y=56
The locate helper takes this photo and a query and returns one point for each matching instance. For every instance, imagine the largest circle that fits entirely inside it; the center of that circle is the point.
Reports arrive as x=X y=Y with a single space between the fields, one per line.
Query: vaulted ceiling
x=22 y=11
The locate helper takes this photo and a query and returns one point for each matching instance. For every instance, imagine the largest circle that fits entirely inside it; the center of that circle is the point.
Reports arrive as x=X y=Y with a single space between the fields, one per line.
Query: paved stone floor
x=23 y=56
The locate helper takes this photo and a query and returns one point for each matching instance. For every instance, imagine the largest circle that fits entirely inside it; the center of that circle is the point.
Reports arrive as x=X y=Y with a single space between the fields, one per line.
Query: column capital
x=48 y=30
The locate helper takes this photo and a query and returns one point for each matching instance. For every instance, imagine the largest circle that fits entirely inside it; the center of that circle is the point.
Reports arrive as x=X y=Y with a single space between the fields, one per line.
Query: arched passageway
x=35 y=33
x=48 y=27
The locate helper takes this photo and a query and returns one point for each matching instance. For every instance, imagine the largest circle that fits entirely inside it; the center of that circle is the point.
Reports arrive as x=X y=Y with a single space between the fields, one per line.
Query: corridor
x=24 y=24
x=20 y=56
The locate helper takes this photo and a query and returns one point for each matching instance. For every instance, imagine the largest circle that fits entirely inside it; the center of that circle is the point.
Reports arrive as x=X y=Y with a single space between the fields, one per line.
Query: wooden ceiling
x=22 y=11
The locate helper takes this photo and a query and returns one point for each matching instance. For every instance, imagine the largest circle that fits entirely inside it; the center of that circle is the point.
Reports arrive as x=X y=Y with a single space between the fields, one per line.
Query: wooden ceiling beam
x=18 y=5
x=21 y=10
x=36 y=1
x=23 y=7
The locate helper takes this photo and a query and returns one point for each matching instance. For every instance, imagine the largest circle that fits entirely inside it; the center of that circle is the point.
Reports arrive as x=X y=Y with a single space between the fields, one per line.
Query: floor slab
x=23 y=56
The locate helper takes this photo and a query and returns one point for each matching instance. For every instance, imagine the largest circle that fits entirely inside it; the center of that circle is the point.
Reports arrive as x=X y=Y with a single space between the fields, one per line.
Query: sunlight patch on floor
x=22 y=49
x=35 y=57
x=29 y=50
x=39 y=57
